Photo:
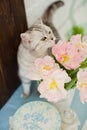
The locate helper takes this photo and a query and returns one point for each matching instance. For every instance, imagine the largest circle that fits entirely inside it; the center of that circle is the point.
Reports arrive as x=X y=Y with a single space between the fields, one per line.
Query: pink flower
x=81 y=44
x=45 y=66
x=42 y=68
x=76 y=39
x=67 y=54
x=52 y=88
x=82 y=84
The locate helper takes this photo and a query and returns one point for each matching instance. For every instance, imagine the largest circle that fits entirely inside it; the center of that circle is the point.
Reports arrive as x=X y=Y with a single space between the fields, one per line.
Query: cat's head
x=38 y=38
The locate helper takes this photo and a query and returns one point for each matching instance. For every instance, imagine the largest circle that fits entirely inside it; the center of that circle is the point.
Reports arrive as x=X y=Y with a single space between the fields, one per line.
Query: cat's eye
x=44 y=38
x=49 y=32
x=52 y=38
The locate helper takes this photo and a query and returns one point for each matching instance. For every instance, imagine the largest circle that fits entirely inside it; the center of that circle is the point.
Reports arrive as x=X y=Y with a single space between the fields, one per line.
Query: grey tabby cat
x=35 y=43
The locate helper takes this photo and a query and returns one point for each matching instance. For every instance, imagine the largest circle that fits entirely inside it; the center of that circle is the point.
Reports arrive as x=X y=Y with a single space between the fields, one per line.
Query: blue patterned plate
x=36 y=115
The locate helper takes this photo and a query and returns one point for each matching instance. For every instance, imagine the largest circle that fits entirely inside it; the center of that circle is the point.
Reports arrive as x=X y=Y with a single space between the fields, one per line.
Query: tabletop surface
x=16 y=101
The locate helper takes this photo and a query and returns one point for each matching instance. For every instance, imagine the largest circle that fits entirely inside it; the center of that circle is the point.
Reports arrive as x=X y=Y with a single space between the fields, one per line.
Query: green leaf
x=40 y=81
x=71 y=84
x=73 y=72
x=84 y=64
x=75 y=30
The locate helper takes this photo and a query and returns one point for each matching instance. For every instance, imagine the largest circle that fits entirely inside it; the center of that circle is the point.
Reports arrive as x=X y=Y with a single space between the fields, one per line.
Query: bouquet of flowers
x=64 y=70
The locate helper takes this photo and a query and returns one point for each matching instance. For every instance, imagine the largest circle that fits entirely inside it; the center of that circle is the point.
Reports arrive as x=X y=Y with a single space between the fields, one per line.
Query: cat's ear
x=38 y=22
x=24 y=36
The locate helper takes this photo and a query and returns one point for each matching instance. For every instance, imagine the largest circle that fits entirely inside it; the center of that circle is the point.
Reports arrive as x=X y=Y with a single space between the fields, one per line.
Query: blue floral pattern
x=36 y=115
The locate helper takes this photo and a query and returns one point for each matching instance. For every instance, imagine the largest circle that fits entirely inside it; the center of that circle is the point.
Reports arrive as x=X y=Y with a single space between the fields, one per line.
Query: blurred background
x=71 y=17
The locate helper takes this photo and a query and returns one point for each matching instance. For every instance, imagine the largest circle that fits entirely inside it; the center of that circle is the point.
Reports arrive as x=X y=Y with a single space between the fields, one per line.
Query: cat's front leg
x=26 y=84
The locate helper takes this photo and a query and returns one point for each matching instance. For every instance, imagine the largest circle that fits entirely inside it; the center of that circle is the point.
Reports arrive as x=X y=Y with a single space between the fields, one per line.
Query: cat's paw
x=24 y=95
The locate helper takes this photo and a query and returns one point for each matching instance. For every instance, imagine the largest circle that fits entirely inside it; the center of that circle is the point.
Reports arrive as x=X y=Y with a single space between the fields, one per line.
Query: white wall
x=35 y=8
x=73 y=12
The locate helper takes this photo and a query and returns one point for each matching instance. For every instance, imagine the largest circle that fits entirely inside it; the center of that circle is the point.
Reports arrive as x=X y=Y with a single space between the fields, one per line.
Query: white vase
x=68 y=116
x=65 y=104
